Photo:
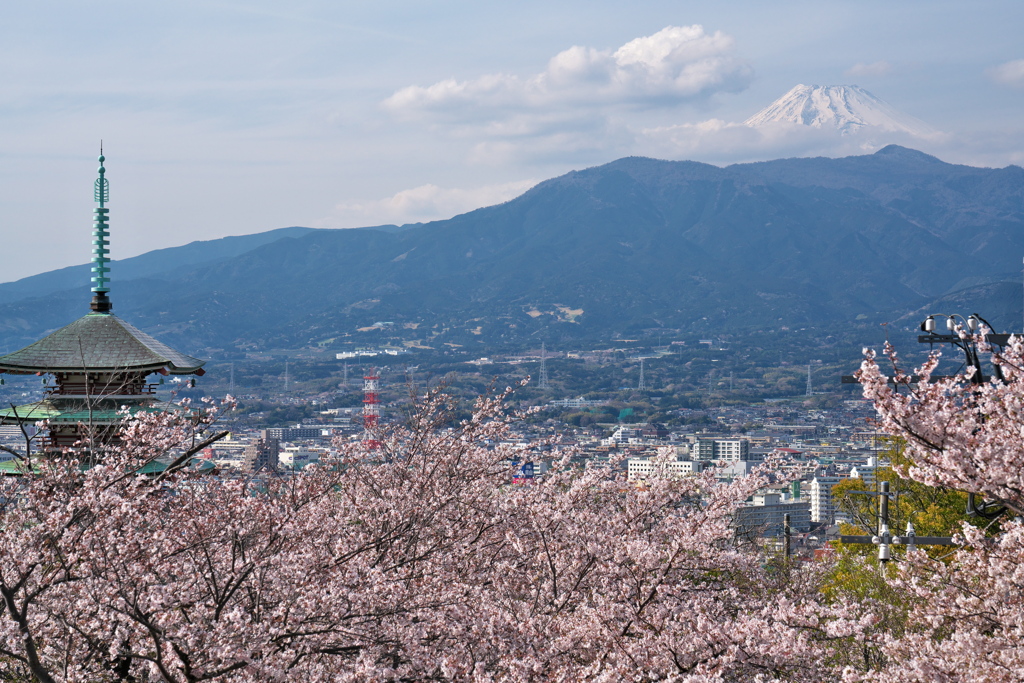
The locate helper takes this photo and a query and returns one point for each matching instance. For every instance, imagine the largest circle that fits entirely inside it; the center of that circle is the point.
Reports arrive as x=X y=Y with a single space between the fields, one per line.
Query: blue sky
x=225 y=118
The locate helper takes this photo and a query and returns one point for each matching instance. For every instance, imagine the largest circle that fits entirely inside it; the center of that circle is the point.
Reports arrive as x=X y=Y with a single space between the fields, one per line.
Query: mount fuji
x=846 y=108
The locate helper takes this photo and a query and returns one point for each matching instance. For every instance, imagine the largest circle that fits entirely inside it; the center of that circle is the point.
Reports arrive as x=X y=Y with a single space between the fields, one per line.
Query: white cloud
x=583 y=107
x=1010 y=73
x=872 y=70
x=421 y=204
x=676 y=64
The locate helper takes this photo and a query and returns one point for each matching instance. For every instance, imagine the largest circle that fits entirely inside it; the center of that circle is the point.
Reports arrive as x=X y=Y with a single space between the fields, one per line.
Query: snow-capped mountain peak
x=846 y=108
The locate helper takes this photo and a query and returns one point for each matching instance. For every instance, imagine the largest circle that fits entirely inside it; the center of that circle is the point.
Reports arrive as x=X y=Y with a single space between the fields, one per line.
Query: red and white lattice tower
x=371 y=409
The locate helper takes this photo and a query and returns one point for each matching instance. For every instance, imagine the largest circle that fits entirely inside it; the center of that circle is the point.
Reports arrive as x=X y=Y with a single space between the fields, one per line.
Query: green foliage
x=934 y=511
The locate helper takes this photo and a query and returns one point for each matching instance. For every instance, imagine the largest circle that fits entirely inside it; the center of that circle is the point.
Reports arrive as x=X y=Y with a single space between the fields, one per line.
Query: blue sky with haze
x=227 y=118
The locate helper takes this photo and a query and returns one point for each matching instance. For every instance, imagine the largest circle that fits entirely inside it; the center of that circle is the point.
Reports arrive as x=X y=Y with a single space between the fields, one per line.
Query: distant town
x=821 y=439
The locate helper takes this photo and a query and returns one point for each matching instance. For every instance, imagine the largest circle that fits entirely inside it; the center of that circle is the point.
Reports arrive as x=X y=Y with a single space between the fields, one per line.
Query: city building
x=865 y=472
x=261 y=455
x=299 y=432
x=639 y=469
x=820 y=494
x=297 y=457
x=574 y=403
x=721 y=449
x=624 y=435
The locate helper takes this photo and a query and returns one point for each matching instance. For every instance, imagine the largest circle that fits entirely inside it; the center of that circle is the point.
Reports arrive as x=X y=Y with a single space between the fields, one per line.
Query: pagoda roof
x=99 y=342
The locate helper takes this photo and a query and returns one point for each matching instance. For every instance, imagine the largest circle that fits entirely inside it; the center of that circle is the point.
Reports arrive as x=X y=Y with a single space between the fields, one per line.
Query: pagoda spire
x=100 y=242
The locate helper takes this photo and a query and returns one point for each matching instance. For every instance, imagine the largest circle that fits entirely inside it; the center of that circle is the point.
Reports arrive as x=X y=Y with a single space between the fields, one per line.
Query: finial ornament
x=100 y=241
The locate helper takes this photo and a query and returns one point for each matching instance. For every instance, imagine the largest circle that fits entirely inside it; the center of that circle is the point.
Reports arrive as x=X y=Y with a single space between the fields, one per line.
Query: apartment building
x=638 y=469
x=721 y=449
x=820 y=494
x=765 y=516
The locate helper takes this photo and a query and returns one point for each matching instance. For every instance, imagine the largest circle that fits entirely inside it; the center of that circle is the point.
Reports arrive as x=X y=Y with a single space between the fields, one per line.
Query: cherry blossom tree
x=967 y=617
x=423 y=560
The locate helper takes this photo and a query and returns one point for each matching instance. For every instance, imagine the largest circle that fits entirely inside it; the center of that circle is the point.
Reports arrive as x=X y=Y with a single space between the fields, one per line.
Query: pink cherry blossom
x=419 y=561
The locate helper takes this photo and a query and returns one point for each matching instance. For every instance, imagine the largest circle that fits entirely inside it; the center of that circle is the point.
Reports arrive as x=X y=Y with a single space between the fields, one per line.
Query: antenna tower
x=286 y=375
x=371 y=409
x=810 y=388
x=231 y=384
x=641 y=385
x=543 y=383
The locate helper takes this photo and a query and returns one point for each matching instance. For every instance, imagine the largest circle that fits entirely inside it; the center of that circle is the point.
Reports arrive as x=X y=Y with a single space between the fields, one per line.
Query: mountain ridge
x=636 y=244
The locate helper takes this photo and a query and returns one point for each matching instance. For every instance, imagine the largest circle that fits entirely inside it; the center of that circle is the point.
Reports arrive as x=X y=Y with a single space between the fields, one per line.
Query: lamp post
x=952 y=336
x=967 y=344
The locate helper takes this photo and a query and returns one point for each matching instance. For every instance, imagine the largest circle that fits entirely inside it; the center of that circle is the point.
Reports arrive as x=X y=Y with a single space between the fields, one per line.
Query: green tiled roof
x=157 y=466
x=64 y=410
x=98 y=342
x=16 y=466
x=31 y=412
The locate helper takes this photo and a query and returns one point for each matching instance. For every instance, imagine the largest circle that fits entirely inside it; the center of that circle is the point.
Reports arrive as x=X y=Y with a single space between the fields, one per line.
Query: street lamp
x=967 y=345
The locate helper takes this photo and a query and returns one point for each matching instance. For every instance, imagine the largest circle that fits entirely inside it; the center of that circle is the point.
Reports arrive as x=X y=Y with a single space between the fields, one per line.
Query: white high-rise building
x=822 y=507
x=721 y=449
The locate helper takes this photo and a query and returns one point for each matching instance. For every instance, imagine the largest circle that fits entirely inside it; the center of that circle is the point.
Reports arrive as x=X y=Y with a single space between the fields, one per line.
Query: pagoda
x=99 y=363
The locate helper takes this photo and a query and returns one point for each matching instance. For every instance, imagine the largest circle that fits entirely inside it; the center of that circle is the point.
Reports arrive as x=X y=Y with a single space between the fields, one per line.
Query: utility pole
x=786 y=534
x=884 y=538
